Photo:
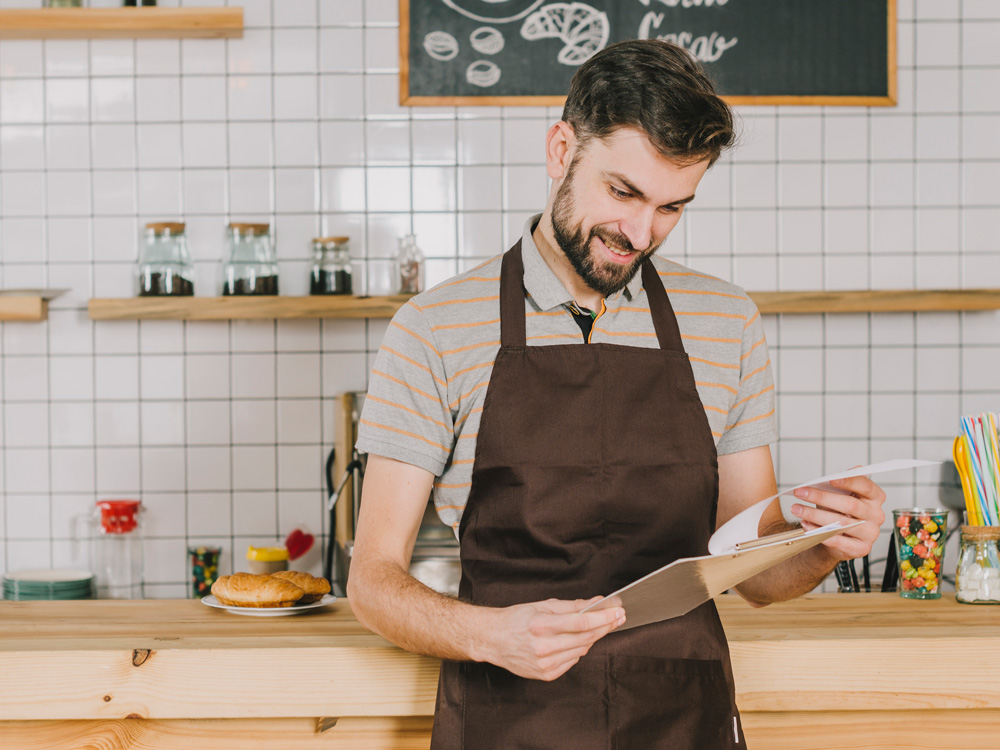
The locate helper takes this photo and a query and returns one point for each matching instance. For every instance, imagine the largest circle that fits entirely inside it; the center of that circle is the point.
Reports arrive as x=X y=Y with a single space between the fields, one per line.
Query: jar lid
x=267 y=554
x=337 y=240
x=173 y=227
x=245 y=227
x=981 y=533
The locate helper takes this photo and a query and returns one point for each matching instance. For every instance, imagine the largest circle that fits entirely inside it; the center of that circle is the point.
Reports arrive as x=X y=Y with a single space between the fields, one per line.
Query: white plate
x=52 y=575
x=211 y=601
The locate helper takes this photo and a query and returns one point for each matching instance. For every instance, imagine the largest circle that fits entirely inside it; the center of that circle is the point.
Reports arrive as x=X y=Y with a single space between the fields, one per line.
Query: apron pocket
x=505 y=711
x=673 y=704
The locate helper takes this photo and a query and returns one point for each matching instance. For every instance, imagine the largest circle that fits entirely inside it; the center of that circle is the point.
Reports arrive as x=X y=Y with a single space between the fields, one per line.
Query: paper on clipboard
x=684 y=584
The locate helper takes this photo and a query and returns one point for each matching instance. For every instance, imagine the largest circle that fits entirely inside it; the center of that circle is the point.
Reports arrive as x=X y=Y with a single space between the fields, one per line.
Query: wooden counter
x=859 y=671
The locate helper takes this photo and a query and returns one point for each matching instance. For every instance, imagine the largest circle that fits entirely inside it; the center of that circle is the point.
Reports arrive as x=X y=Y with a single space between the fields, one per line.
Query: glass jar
x=249 y=267
x=409 y=267
x=977 y=580
x=165 y=268
x=331 y=271
x=267 y=559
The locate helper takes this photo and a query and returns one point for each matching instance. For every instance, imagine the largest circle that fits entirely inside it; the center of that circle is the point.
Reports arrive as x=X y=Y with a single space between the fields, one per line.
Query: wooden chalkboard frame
x=405 y=99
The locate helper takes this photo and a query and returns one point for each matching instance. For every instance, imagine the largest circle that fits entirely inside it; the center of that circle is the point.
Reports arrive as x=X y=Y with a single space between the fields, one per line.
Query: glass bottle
x=331 y=271
x=249 y=267
x=977 y=580
x=165 y=268
x=409 y=267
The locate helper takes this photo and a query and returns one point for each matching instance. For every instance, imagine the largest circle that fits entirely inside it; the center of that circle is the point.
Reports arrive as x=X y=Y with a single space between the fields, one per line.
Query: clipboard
x=736 y=553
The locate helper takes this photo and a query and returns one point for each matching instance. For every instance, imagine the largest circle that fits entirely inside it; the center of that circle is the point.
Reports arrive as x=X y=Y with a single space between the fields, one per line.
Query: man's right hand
x=542 y=640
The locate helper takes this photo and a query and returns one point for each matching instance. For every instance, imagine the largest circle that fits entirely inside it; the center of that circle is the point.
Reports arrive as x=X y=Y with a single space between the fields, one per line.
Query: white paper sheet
x=679 y=587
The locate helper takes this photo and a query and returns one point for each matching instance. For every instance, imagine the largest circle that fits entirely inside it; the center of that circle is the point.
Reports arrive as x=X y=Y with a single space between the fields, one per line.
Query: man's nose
x=639 y=228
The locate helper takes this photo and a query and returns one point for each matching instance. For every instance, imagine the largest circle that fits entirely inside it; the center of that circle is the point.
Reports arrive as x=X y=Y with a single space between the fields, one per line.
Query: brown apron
x=595 y=465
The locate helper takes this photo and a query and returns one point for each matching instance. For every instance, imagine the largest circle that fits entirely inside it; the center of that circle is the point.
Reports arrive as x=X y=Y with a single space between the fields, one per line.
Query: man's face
x=617 y=203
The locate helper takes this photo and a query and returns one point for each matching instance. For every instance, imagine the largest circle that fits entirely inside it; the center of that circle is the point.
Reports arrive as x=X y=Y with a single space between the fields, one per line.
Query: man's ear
x=560 y=144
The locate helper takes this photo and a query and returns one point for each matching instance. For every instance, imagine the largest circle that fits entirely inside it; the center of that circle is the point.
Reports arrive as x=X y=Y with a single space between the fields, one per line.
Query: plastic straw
x=977 y=471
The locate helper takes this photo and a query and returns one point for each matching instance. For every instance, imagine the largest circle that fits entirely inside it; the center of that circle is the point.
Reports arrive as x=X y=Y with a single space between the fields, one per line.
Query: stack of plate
x=39 y=585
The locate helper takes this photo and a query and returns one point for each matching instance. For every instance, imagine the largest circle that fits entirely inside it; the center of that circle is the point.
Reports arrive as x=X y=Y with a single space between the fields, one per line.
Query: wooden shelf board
x=110 y=23
x=24 y=309
x=892 y=300
x=769 y=303
x=245 y=308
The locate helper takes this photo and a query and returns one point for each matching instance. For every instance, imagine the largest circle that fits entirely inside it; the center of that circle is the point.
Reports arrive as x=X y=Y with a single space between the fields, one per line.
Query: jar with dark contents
x=165 y=268
x=331 y=271
x=204 y=569
x=249 y=267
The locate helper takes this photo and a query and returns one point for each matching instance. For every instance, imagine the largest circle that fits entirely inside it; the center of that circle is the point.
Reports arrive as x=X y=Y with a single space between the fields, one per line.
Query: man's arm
x=746 y=477
x=540 y=640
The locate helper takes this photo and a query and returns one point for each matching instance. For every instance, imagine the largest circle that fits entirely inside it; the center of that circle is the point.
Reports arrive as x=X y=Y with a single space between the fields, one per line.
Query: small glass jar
x=409 y=267
x=977 y=580
x=331 y=271
x=249 y=267
x=267 y=559
x=165 y=268
x=63 y=3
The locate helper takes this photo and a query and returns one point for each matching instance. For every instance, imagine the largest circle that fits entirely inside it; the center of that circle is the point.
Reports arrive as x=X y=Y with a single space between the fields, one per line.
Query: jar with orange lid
x=165 y=268
x=249 y=267
x=331 y=271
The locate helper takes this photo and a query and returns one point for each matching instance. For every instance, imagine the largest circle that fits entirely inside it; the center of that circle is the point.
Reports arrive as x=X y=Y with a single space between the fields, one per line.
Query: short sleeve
x=406 y=415
x=751 y=421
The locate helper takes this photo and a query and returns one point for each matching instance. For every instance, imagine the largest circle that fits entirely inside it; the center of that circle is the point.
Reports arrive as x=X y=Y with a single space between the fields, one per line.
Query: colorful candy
x=919 y=546
x=204 y=569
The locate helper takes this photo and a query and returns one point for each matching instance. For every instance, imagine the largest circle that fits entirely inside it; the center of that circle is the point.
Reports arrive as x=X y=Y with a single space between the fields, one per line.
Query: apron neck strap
x=512 y=331
x=664 y=319
x=512 y=298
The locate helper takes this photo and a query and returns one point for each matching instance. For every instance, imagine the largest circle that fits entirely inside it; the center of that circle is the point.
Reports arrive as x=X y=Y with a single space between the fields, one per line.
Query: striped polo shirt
x=427 y=387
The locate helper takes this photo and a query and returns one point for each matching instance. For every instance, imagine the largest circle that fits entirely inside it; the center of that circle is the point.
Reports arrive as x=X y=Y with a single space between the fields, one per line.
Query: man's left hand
x=863 y=504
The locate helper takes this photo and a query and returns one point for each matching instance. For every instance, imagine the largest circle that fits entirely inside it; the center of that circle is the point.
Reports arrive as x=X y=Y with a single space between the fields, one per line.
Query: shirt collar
x=542 y=284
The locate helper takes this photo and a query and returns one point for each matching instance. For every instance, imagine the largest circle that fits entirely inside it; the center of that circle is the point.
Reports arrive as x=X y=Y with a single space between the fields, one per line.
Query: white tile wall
x=222 y=428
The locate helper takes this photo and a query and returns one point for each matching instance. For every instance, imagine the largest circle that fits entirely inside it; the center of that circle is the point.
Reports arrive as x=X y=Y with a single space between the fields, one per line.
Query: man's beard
x=600 y=275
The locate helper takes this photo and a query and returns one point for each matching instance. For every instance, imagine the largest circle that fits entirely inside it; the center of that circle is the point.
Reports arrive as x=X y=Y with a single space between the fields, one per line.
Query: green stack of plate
x=48 y=585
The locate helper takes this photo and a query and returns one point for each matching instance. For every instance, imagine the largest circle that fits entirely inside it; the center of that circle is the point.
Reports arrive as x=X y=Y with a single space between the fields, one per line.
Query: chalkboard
x=757 y=51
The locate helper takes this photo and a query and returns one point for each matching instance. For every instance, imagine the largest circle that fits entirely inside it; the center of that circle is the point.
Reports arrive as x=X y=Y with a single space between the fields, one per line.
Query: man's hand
x=542 y=640
x=864 y=504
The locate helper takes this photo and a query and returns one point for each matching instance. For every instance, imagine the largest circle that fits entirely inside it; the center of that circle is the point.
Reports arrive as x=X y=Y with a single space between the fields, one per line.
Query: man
x=583 y=434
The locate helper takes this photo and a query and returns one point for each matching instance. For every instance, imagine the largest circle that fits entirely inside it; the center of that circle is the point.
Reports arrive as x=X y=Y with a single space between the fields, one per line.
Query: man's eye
x=670 y=209
x=620 y=193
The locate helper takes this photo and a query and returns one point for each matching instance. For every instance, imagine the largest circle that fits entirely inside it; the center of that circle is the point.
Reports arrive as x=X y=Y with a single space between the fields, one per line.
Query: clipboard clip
x=783 y=536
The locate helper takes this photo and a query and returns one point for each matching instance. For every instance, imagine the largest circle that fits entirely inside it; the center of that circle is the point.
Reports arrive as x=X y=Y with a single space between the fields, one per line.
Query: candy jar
x=409 y=267
x=977 y=580
x=331 y=271
x=249 y=267
x=165 y=268
x=920 y=534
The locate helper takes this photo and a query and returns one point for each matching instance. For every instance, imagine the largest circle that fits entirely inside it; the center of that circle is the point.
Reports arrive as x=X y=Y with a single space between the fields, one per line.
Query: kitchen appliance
x=435 y=561
x=116 y=548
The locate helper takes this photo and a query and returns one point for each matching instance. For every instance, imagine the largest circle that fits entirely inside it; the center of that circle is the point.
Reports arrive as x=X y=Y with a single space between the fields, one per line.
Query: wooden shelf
x=130 y=23
x=245 y=308
x=769 y=303
x=24 y=309
x=893 y=300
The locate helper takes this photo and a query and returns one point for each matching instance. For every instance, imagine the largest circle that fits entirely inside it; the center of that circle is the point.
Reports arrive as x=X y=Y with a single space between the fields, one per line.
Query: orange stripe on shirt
x=750 y=350
x=464 y=396
x=754 y=372
x=474 y=367
x=756 y=395
x=415 y=335
x=415 y=364
x=751 y=419
x=470 y=346
x=713 y=364
x=715 y=408
x=626 y=308
x=465 y=325
x=376 y=399
x=729 y=388
x=407 y=385
x=464 y=461
x=460 y=301
x=687 y=273
x=460 y=422
x=449 y=507
x=443 y=486
x=469 y=278
x=698 y=291
x=554 y=336
x=404 y=432
x=755 y=316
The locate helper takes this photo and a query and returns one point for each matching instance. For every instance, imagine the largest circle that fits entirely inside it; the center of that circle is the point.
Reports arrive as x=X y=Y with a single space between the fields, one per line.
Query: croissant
x=251 y=590
x=313 y=587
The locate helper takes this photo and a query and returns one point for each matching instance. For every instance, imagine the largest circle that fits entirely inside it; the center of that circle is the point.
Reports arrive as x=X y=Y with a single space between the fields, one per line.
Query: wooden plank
x=344 y=445
x=350 y=733
x=23 y=309
x=115 y=23
x=893 y=300
x=872 y=730
x=245 y=308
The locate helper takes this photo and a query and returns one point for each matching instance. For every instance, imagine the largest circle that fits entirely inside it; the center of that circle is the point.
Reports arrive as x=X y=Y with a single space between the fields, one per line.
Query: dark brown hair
x=657 y=87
